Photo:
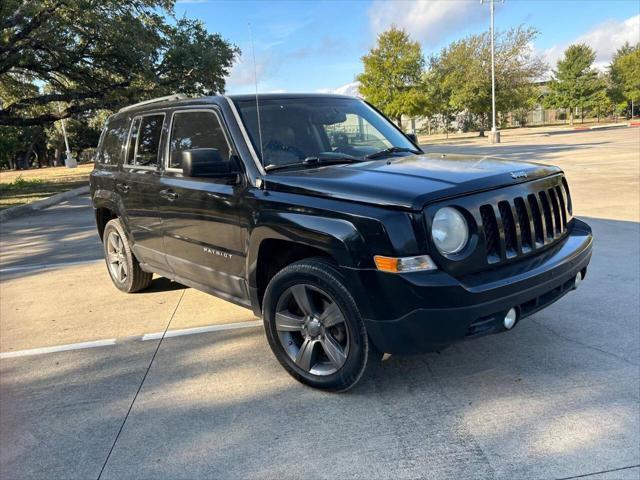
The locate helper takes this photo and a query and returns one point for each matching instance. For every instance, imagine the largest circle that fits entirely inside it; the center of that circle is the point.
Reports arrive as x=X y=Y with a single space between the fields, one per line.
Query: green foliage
x=576 y=82
x=459 y=77
x=600 y=103
x=21 y=183
x=392 y=74
x=625 y=74
x=101 y=54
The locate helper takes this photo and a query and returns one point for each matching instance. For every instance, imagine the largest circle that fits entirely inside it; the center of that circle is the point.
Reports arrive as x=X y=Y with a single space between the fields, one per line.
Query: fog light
x=578 y=280
x=510 y=318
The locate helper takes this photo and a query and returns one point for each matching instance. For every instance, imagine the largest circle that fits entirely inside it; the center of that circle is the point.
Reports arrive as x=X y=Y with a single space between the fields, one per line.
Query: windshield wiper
x=314 y=161
x=390 y=151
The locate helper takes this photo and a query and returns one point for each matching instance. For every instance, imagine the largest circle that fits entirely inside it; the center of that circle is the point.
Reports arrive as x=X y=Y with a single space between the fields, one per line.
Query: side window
x=114 y=137
x=132 y=140
x=192 y=130
x=144 y=143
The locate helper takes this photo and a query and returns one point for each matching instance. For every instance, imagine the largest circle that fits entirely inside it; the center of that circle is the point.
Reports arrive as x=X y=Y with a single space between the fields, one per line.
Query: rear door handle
x=169 y=195
x=123 y=187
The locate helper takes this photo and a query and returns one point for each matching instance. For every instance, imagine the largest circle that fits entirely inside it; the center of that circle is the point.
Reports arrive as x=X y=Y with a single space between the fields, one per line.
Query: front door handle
x=123 y=187
x=169 y=195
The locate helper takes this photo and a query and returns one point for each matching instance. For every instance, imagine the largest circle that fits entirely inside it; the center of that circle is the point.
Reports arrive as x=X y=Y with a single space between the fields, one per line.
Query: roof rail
x=176 y=96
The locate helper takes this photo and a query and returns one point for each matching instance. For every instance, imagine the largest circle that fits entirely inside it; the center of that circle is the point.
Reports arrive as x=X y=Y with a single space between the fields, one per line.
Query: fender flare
x=339 y=238
x=103 y=198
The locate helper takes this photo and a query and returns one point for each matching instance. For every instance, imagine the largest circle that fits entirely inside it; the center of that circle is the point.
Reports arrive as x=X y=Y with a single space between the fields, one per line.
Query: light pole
x=69 y=161
x=495 y=134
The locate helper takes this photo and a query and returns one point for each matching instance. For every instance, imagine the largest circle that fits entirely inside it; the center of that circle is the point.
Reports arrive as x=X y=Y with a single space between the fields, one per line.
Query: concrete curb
x=605 y=126
x=21 y=210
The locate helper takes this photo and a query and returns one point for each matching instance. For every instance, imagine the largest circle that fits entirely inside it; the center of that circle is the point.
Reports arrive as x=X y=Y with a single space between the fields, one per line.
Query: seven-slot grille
x=525 y=223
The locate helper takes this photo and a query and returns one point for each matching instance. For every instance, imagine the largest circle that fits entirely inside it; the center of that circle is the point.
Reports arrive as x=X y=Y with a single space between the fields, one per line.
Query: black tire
x=134 y=278
x=326 y=285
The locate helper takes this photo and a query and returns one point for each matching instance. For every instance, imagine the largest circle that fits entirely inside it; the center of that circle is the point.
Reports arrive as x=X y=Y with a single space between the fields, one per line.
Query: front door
x=202 y=236
x=138 y=185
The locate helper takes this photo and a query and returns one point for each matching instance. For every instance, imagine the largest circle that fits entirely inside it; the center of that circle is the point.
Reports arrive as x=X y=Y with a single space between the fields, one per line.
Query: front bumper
x=426 y=311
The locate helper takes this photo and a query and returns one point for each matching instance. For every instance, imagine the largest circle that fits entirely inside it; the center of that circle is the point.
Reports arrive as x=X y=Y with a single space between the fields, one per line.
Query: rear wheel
x=314 y=327
x=122 y=265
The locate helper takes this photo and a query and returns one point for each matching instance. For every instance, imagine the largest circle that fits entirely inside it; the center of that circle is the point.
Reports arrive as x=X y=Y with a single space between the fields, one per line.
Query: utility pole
x=495 y=134
x=69 y=161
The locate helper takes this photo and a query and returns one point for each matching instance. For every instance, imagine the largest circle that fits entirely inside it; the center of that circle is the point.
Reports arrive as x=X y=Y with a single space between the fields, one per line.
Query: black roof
x=220 y=98
x=278 y=96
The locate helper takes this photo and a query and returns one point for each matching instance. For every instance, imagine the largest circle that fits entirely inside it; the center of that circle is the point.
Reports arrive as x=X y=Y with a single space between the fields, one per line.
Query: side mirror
x=413 y=137
x=207 y=162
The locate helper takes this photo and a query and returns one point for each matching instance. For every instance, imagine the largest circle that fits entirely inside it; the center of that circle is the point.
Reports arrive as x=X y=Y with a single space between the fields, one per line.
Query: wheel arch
x=107 y=206
x=294 y=237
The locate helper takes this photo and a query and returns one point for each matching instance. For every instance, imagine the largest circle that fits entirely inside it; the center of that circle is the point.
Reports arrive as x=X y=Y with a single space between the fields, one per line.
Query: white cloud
x=243 y=72
x=427 y=21
x=350 y=89
x=604 y=38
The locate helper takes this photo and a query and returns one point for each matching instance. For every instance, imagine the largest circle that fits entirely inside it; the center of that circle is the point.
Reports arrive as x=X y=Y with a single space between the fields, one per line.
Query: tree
x=575 y=82
x=437 y=94
x=600 y=102
x=625 y=75
x=92 y=54
x=465 y=71
x=392 y=74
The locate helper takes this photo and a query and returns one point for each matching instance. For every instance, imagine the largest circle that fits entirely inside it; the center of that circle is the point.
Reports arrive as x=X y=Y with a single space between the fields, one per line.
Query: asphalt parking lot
x=558 y=397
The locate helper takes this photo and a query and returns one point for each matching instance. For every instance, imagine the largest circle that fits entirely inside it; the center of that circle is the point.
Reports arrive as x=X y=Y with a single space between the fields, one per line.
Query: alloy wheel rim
x=312 y=329
x=116 y=257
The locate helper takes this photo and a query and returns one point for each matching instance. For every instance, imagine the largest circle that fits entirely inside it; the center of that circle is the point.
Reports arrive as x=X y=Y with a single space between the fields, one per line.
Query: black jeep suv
x=320 y=215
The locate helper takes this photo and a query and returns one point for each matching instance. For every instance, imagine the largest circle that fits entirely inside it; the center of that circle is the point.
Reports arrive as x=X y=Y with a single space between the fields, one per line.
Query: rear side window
x=114 y=138
x=145 y=141
x=192 y=130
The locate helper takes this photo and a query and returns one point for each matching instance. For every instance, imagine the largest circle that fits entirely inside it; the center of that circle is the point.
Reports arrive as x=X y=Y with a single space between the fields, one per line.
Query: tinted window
x=192 y=130
x=293 y=129
x=145 y=141
x=132 y=140
x=115 y=135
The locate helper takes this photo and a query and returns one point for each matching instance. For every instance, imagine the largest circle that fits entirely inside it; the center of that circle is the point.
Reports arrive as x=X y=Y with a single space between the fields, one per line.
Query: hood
x=408 y=182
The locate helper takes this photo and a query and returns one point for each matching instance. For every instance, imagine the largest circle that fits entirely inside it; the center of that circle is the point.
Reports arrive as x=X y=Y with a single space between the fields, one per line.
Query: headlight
x=449 y=230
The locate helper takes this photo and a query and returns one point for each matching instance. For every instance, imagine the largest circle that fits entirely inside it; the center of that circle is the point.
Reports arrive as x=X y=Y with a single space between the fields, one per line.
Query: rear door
x=139 y=186
x=202 y=235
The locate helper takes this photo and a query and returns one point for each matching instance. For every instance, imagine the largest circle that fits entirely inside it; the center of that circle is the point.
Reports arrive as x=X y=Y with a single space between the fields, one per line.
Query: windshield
x=324 y=128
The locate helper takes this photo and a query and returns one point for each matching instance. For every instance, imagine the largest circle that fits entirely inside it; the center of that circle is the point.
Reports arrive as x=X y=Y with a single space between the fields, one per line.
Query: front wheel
x=314 y=327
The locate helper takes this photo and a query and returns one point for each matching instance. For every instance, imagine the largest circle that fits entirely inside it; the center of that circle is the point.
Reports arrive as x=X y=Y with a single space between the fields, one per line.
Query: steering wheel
x=340 y=139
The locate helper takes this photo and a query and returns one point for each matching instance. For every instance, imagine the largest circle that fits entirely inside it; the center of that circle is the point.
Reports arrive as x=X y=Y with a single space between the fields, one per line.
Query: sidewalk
x=525 y=131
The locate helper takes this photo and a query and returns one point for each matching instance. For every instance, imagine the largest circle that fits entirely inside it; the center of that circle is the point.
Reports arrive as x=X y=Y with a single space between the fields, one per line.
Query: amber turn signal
x=404 y=264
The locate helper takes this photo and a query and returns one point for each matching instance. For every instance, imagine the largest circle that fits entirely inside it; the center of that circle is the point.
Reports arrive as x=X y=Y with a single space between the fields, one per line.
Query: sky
x=317 y=46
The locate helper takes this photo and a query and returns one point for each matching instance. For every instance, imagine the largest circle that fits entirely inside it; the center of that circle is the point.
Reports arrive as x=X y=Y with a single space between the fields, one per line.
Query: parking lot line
x=207 y=329
x=145 y=337
x=58 y=348
x=46 y=266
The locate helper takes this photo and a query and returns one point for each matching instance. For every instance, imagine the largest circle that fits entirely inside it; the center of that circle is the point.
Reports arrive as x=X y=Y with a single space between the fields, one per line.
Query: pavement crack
x=599 y=473
x=144 y=377
x=481 y=454
x=585 y=345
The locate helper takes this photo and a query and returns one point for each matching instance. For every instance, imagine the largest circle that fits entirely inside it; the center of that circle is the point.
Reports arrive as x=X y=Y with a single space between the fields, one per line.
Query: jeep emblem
x=518 y=174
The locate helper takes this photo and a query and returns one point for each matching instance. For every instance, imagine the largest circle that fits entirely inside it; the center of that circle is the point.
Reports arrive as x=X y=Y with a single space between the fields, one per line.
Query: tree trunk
x=27 y=156
x=571 y=112
x=399 y=120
